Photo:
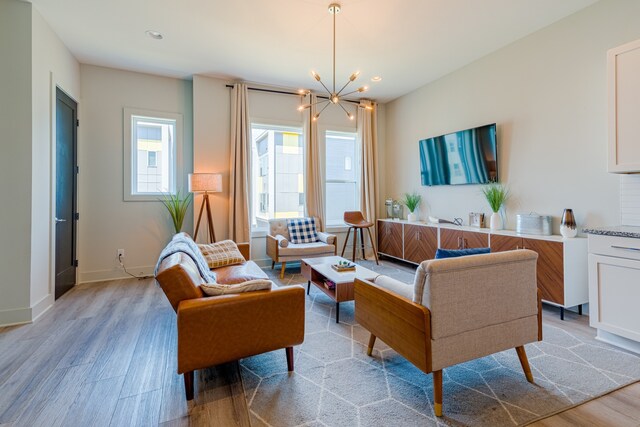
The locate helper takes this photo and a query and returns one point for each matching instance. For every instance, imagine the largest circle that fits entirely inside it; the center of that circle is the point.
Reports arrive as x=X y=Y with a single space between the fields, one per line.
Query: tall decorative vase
x=495 y=222
x=568 y=227
x=412 y=217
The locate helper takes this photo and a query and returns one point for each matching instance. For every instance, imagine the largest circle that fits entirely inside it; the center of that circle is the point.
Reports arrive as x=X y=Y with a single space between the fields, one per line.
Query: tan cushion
x=301 y=249
x=221 y=254
x=239 y=273
x=395 y=286
x=282 y=241
x=214 y=289
x=469 y=292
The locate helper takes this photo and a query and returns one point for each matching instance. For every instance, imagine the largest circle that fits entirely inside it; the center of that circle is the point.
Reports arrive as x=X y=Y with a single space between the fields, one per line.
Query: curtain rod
x=282 y=92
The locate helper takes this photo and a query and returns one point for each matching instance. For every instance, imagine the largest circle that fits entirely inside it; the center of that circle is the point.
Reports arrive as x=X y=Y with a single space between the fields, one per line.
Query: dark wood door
x=390 y=238
x=66 y=189
x=550 y=269
x=472 y=239
x=420 y=243
x=450 y=239
x=505 y=243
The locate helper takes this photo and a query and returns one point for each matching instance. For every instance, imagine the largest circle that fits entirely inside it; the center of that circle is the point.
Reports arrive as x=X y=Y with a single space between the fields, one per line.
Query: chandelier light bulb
x=354 y=76
x=315 y=75
x=350 y=115
x=363 y=89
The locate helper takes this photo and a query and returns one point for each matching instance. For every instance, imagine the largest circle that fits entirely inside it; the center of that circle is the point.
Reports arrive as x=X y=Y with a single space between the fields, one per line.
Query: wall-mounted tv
x=465 y=157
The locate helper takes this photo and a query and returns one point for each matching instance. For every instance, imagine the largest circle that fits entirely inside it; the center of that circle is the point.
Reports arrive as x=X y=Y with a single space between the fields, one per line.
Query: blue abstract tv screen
x=465 y=157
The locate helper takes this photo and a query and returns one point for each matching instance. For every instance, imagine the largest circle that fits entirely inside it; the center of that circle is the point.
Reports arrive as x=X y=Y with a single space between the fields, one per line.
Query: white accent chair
x=280 y=249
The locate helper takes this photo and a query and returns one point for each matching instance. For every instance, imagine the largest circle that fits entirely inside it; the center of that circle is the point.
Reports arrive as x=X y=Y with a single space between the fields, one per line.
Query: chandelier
x=333 y=97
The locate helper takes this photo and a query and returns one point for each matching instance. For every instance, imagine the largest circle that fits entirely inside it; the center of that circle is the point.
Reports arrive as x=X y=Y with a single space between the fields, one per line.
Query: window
x=277 y=173
x=153 y=147
x=342 y=175
x=152 y=159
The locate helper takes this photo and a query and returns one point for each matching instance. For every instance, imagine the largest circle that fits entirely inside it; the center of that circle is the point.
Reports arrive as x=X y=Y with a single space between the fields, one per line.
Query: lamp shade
x=200 y=182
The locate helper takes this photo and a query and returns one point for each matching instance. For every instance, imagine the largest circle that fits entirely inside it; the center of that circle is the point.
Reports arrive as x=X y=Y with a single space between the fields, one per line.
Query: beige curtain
x=368 y=138
x=314 y=180
x=239 y=225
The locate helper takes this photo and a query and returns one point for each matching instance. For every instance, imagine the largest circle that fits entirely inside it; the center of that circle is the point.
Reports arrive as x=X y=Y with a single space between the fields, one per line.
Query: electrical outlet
x=120 y=254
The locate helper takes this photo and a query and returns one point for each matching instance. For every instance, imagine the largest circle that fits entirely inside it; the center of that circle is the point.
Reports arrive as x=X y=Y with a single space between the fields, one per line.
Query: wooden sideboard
x=562 y=263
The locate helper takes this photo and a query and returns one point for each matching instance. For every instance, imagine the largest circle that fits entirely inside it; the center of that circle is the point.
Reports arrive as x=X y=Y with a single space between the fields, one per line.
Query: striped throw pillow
x=221 y=254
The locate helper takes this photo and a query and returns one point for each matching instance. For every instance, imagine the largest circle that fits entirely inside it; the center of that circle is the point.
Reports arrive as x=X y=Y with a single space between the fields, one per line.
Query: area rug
x=336 y=384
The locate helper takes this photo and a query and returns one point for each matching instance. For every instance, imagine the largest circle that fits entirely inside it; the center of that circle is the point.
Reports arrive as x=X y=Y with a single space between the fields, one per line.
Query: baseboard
x=618 y=341
x=16 y=316
x=114 y=274
x=39 y=308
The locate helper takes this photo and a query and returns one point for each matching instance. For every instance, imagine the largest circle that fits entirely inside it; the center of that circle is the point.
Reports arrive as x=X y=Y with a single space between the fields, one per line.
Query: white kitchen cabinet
x=614 y=289
x=623 y=67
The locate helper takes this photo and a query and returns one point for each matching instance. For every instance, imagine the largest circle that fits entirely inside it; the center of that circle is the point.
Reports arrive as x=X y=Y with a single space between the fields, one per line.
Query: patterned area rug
x=336 y=384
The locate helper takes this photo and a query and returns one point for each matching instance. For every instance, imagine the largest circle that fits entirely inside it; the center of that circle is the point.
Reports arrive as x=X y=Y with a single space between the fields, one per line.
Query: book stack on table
x=329 y=284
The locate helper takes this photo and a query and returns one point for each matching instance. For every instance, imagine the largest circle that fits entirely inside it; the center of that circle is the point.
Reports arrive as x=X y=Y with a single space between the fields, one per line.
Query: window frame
x=130 y=158
x=284 y=125
x=355 y=163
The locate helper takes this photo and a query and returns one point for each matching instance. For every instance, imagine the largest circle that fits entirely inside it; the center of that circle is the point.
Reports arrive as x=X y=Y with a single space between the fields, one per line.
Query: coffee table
x=317 y=270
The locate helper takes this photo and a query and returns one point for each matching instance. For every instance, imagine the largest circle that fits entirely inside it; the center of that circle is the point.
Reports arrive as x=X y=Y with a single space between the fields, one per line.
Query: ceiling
x=278 y=42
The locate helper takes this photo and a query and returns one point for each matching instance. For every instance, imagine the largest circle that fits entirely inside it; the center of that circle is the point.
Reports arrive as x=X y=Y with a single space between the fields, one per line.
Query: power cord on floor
x=130 y=274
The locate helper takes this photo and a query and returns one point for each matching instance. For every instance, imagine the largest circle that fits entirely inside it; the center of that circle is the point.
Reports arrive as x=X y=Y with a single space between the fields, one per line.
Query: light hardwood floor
x=620 y=408
x=105 y=354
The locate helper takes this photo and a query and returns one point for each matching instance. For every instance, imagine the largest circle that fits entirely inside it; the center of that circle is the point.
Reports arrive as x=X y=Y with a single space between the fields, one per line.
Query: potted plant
x=411 y=201
x=496 y=195
x=177 y=207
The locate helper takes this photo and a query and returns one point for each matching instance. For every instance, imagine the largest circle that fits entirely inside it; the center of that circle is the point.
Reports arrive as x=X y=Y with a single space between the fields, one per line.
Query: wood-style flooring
x=105 y=354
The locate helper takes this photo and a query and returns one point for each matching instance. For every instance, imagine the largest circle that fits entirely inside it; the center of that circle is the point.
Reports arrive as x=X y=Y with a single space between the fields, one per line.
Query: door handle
x=464 y=243
x=58 y=220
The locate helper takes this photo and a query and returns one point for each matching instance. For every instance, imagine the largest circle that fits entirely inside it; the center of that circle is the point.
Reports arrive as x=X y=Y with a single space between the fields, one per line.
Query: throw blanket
x=182 y=242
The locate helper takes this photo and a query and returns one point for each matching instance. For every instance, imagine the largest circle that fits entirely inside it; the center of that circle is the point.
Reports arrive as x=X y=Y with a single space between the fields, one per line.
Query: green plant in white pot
x=412 y=201
x=496 y=195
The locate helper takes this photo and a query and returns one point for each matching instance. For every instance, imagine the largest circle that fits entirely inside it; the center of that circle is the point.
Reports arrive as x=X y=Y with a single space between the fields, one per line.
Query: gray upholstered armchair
x=458 y=309
x=280 y=249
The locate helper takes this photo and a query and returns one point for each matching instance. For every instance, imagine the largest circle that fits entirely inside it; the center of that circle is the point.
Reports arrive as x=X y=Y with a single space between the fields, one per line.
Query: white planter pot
x=495 y=222
x=412 y=217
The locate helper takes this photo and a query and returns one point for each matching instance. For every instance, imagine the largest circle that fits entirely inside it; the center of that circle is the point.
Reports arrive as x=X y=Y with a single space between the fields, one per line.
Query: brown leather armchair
x=214 y=330
x=458 y=309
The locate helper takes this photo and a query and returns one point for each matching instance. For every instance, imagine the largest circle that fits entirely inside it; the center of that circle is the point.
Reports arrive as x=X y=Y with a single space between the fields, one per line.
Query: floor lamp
x=207 y=183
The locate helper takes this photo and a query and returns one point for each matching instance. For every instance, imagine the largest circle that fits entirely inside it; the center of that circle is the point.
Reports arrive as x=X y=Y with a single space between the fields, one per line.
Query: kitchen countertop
x=618 y=231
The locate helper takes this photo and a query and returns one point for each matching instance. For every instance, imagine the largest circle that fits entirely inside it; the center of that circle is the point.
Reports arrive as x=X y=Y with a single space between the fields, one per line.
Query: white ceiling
x=278 y=42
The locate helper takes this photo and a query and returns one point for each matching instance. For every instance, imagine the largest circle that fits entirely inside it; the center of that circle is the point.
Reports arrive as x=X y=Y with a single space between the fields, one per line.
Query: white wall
x=107 y=223
x=15 y=161
x=630 y=199
x=52 y=65
x=212 y=141
x=547 y=92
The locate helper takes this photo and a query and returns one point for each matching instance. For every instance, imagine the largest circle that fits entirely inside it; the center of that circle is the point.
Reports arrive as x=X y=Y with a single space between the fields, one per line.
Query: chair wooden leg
x=273 y=265
x=362 y=243
x=372 y=341
x=355 y=244
x=289 y=351
x=522 y=355
x=188 y=385
x=373 y=246
x=346 y=240
x=437 y=393
x=284 y=266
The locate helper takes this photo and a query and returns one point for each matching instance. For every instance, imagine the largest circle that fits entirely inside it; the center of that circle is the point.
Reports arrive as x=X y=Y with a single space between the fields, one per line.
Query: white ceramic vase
x=495 y=222
x=412 y=217
x=568 y=232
